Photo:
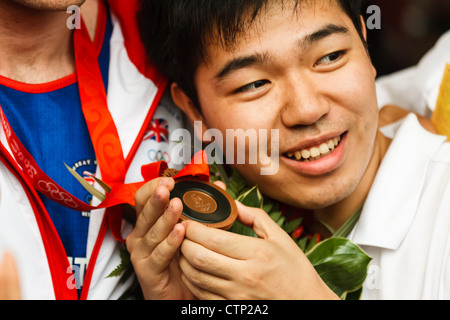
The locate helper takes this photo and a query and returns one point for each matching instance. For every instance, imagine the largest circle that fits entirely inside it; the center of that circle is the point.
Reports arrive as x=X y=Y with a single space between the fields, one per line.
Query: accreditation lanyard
x=103 y=133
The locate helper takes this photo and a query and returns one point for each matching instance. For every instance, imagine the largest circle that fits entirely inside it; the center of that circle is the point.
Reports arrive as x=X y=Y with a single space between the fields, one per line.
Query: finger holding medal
x=154 y=243
x=222 y=265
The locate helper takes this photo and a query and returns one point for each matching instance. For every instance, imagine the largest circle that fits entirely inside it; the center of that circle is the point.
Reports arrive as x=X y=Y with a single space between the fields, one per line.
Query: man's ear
x=187 y=106
x=364 y=33
x=363 y=28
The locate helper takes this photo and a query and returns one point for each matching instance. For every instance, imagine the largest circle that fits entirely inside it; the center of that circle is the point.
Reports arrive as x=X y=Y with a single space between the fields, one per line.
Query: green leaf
x=312 y=243
x=231 y=193
x=302 y=243
x=275 y=216
x=125 y=270
x=123 y=266
x=268 y=206
x=239 y=228
x=348 y=226
x=251 y=198
x=355 y=295
x=290 y=226
x=341 y=264
x=219 y=171
x=237 y=183
x=280 y=221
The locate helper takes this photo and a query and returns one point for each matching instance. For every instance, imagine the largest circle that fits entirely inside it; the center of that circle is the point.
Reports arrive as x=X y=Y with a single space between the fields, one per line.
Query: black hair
x=176 y=33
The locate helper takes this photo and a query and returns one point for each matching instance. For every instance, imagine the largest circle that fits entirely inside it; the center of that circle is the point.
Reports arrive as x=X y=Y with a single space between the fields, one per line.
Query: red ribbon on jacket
x=120 y=192
x=124 y=193
x=106 y=142
x=197 y=168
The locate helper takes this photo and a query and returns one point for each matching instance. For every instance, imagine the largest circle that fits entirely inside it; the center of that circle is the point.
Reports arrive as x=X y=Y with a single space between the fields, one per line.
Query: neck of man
x=37 y=45
x=336 y=215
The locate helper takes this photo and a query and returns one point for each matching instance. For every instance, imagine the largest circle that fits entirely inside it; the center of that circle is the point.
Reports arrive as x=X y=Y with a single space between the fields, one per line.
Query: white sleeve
x=417 y=87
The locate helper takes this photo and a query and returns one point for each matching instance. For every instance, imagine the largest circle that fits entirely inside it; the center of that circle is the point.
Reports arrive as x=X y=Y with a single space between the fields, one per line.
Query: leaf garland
x=341 y=264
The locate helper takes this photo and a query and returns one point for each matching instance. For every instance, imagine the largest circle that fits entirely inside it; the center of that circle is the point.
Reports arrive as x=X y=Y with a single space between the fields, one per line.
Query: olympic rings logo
x=6 y=127
x=53 y=191
x=158 y=155
x=29 y=169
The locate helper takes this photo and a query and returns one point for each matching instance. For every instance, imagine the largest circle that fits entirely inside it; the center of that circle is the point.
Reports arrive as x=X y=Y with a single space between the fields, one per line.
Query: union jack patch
x=158 y=130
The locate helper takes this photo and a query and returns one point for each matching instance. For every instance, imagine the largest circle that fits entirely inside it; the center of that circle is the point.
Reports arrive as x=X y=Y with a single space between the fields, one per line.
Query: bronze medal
x=205 y=202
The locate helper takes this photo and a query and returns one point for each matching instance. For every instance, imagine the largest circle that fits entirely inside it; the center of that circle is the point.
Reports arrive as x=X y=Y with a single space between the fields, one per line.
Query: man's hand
x=218 y=264
x=155 y=241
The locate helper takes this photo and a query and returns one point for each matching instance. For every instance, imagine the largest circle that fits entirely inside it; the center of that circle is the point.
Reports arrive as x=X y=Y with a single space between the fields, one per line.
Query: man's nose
x=304 y=102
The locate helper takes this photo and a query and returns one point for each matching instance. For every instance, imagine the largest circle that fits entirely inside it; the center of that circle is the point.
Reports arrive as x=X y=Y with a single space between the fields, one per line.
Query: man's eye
x=330 y=58
x=253 y=86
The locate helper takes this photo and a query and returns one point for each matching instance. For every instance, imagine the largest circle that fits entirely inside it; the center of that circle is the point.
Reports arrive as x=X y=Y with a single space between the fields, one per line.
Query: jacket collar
x=393 y=200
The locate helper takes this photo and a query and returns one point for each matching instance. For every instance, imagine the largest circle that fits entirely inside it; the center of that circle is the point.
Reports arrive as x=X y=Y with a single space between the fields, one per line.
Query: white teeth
x=324 y=148
x=331 y=145
x=336 y=140
x=306 y=154
x=315 y=153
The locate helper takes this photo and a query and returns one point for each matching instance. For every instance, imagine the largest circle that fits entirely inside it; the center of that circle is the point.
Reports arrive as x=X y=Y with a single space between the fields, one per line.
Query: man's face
x=308 y=75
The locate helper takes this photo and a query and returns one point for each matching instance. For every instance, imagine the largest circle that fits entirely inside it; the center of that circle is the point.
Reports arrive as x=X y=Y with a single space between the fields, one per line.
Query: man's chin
x=313 y=201
x=49 y=5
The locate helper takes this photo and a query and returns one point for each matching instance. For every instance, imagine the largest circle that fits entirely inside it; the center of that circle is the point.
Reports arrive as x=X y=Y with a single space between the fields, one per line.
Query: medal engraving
x=200 y=201
x=205 y=202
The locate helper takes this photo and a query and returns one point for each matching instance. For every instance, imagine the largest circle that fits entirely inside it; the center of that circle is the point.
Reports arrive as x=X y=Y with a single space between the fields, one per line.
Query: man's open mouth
x=316 y=152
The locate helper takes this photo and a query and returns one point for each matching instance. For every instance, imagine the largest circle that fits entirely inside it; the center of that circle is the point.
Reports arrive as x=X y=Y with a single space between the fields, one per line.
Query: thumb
x=257 y=219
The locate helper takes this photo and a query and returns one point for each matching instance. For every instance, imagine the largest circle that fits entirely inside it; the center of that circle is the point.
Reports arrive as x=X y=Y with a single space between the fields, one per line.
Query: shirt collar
x=393 y=200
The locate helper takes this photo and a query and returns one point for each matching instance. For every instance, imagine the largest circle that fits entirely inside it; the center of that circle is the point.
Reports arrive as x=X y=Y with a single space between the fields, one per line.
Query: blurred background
x=409 y=28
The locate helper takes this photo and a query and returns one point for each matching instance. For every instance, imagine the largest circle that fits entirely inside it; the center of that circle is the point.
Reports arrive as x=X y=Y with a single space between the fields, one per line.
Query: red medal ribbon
x=104 y=136
x=100 y=123
x=198 y=168
x=120 y=193
x=40 y=181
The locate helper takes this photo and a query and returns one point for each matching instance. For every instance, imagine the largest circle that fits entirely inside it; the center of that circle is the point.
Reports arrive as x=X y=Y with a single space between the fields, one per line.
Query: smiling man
x=300 y=67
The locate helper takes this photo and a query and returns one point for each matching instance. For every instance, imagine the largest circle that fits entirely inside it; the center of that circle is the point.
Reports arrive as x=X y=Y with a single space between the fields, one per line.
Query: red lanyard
x=110 y=159
x=100 y=123
x=104 y=136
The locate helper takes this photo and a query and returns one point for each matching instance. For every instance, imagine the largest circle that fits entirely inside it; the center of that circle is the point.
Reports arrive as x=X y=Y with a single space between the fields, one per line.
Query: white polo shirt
x=405 y=223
